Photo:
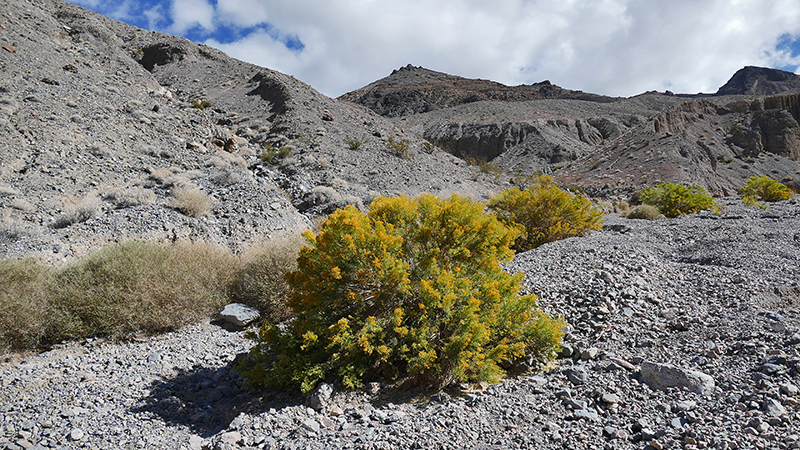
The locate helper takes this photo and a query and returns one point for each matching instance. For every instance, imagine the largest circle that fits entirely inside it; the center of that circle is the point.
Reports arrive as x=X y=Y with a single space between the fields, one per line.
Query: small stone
x=76 y=434
x=231 y=438
x=773 y=407
x=663 y=376
x=239 y=314
x=590 y=353
x=610 y=398
x=789 y=389
x=311 y=425
x=686 y=405
x=321 y=397
x=656 y=445
x=589 y=414
x=578 y=375
x=678 y=423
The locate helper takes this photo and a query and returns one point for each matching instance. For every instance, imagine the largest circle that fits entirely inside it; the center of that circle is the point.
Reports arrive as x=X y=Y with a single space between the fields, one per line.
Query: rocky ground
x=683 y=333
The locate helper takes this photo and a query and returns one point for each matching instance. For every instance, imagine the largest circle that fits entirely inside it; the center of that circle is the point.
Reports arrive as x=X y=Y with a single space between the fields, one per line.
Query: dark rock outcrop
x=752 y=80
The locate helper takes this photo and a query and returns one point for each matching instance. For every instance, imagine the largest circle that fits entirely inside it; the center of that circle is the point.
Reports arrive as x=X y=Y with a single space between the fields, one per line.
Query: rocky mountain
x=752 y=80
x=607 y=146
x=101 y=124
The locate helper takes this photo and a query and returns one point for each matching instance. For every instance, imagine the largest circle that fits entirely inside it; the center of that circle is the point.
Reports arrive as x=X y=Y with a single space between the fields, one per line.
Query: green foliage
x=353 y=143
x=545 y=213
x=398 y=148
x=485 y=167
x=272 y=155
x=646 y=212
x=125 y=288
x=413 y=290
x=201 y=104
x=763 y=189
x=673 y=200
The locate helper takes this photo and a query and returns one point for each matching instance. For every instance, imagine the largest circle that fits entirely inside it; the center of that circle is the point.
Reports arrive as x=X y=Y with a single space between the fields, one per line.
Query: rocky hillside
x=609 y=146
x=101 y=124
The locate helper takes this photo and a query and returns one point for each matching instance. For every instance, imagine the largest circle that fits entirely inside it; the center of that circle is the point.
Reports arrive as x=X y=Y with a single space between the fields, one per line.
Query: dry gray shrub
x=132 y=196
x=190 y=200
x=76 y=212
x=647 y=212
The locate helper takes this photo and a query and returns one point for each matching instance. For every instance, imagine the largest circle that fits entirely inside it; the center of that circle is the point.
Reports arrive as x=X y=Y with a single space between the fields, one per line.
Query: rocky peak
x=753 y=80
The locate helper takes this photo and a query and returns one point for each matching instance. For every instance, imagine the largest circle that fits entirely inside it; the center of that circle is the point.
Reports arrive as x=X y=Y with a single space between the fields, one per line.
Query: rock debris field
x=683 y=334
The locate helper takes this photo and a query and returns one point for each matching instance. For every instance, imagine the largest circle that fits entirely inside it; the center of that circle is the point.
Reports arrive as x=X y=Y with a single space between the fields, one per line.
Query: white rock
x=239 y=314
x=663 y=376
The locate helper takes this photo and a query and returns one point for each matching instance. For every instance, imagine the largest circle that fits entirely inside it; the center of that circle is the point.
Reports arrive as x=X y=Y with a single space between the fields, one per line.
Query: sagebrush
x=545 y=213
x=412 y=290
x=646 y=212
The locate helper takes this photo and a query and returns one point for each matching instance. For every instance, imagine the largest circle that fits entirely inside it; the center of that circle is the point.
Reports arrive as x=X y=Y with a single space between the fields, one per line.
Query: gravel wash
x=715 y=295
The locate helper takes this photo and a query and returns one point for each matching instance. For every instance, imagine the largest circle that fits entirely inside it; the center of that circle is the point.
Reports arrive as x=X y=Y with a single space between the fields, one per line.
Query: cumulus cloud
x=613 y=47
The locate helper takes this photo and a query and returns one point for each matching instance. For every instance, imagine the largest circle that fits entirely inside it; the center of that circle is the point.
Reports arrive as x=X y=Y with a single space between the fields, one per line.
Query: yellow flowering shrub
x=413 y=290
x=763 y=189
x=545 y=213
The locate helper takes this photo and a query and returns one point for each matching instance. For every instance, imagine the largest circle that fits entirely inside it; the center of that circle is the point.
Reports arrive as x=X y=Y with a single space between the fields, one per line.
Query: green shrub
x=353 y=143
x=646 y=212
x=201 y=104
x=673 y=200
x=272 y=155
x=545 y=213
x=486 y=167
x=413 y=290
x=262 y=283
x=763 y=189
x=398 y=148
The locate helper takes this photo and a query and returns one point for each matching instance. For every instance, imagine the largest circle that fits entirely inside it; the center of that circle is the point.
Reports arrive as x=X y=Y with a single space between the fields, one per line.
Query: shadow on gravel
x=207 y=399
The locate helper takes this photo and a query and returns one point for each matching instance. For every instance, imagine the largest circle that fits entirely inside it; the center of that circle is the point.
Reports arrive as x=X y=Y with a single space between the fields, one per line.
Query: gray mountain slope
x=97 y=130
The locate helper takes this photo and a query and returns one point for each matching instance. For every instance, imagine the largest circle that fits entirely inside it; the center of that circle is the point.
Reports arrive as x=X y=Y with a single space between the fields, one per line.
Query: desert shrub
x=545 y=213
x=763 y=189
x=485 y=167
x=353 y=143
x=398 y=148
x=24 y=318
x=262 y=283
x=272 y=155
x=77 y=212
x=622 y=207
x=125 y=288
x=137 y=286
x=201 y=104
x=673 y=200
x=190 y=200
x=646 y=212
x=413 y=290
x=129 y=197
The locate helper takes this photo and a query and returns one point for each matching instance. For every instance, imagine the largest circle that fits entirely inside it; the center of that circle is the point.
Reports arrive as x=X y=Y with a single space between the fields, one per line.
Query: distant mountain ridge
x=753 y=80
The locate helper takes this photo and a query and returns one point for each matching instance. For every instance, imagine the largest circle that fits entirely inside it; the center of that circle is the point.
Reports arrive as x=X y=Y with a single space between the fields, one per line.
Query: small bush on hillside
x=763 y=189
x=413 y=290
x=262 y=283
x=673 y=200
x=201 y=104
x=353 y=143
x=545 y=213
x=77 y=212
x=646 y=212
x=272 y=155
x=191 y=201
x=398 y=148
x=485 y=167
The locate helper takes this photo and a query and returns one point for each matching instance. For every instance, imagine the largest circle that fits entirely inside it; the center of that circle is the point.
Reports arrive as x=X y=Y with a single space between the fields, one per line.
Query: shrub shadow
x=206 y=400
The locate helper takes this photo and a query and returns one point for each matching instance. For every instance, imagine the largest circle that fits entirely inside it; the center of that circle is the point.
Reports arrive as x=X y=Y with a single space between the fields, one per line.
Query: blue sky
x=612 y=47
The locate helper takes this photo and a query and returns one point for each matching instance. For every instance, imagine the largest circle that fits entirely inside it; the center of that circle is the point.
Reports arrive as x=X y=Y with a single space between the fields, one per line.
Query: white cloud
x=613 y=47
x=189 y=14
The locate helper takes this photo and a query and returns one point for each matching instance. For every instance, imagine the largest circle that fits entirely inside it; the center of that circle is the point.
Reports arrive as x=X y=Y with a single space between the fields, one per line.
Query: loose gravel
x=714 y=295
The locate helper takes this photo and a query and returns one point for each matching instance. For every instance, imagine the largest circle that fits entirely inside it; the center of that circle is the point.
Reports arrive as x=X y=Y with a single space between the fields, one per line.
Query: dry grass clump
x=261 y=283
x=130 y=197
x=190 y=200
x=646 y=212
x=125 y=288
x=80 y=211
